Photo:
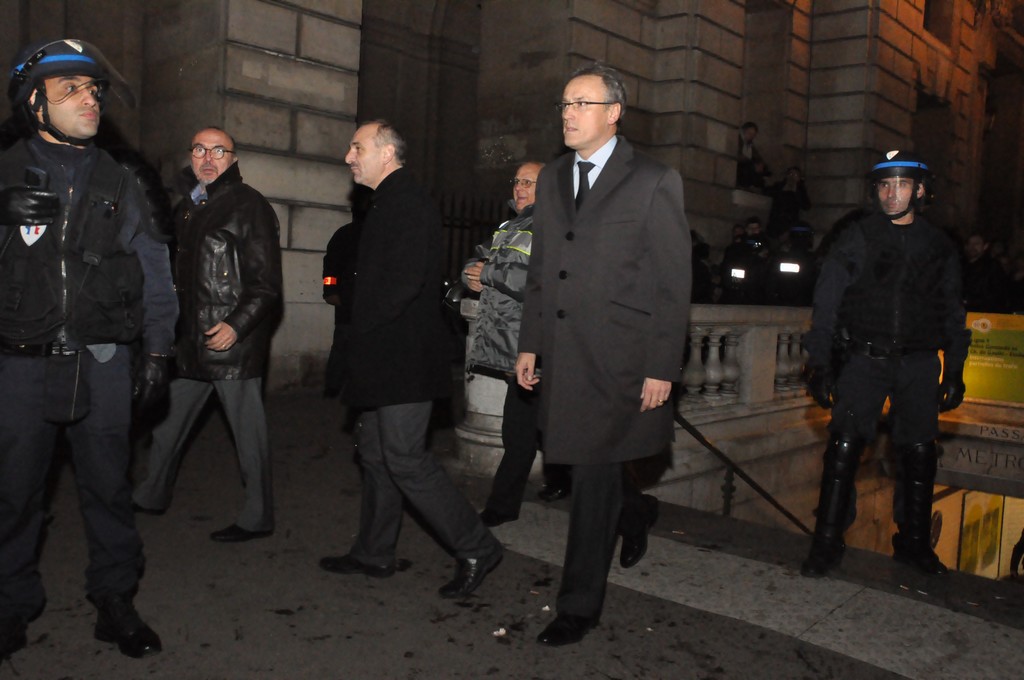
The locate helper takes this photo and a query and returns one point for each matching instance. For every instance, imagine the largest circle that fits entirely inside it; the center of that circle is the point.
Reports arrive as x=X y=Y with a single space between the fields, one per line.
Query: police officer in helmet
x=82 y=278
x=886 y=301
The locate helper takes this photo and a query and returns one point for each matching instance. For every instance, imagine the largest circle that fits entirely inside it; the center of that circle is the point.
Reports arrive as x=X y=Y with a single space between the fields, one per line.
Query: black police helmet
x=65 y=57
x=900 y=164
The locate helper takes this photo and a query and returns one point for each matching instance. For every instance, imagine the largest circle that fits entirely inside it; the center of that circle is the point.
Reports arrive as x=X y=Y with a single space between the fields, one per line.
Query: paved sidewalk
x=714 y=598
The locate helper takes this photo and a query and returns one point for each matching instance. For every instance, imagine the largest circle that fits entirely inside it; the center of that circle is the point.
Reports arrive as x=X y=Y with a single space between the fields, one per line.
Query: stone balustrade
x=742 y=355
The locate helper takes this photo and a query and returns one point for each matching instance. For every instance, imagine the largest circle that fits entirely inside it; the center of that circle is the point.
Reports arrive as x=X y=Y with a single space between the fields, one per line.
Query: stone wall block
x=896 y=35
x=847 y=52
x=892 y=88
x=345 y=10
x=674 y=32
x=253 y=123
x=291 y=81
x=909 y=14
x=723 y=75
x=306 y=327
x=708 y=38
x=731 y=47
x=609 y=16
x=841 y=25
x=848 y=107
x=296 y=179
x=588 y=41
x=330 y=42
x=794 y=136
x=838 y=7
x=317 y=135
x=631 y=57
x=837 y=136
x=800 y=53
x=795 y=107
x=303 y=276
x=729 y=15
x=699 y=165
x=283 y=212
x=704 y=98
x=891 y=115
x=181 y=28
x=801 y=27
x=312 y=228
x=187 y=75
x=668 y=129
x=672 y=64
x=261 y=24
x=797 y=80
x=839 y=81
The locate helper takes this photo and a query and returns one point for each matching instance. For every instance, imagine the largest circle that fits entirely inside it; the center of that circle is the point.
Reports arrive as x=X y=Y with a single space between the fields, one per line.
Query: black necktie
x=584 y=188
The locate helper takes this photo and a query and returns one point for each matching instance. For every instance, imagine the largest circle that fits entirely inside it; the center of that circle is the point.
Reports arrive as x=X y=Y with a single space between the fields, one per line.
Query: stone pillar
x=282 y=80
x=478 y=437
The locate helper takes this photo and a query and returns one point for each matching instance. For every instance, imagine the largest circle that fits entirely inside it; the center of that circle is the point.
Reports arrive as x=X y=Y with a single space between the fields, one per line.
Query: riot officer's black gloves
x=151 y=381
x=821 y=384
x=952 y=388
x=23 y=205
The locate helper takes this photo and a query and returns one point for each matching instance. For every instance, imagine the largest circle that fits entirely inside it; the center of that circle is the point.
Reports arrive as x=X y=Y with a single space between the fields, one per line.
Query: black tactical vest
x=74 y=273
x=899 y=300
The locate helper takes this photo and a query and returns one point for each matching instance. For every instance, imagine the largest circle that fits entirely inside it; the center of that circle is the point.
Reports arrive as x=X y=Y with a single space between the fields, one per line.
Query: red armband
x=330 y=281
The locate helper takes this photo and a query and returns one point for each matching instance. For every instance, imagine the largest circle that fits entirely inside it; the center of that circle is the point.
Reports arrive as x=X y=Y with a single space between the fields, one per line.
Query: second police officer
x=887 y=300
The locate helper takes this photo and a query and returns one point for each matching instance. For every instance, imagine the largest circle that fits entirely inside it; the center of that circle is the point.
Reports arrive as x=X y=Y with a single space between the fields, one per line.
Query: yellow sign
x=995 y=363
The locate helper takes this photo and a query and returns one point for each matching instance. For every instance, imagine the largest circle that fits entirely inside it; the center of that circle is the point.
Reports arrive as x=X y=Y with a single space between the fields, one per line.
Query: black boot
x=913 y=544
x=119 y=622
x=12 y=635
x=840 y=467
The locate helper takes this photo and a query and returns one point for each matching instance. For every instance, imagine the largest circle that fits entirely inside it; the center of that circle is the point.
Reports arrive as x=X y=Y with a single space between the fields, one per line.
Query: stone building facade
x=831 y=83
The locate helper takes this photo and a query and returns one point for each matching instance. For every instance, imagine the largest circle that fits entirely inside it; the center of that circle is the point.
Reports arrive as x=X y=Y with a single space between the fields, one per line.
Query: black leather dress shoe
x=566 y=629
x=553 y=492
x=469 y=574
x=119 y=622
x=12 y=635
x=236 y=534
x=346 y=564
x=490 y=518
x=146 y=511
x=634 y=546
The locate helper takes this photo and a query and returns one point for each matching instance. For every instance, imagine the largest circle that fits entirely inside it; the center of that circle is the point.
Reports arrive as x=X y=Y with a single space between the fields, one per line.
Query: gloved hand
x=22 y=205
x=952 y=388
x=821 y=384
x=150 y=383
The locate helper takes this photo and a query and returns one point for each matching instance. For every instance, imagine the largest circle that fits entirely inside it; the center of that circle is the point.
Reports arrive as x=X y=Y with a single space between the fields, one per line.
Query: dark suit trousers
x=519 y=439
x=593 y=518
x=396 y=464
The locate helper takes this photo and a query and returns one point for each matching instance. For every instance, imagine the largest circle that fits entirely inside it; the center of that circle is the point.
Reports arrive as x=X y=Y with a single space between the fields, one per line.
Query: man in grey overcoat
x=605 y=317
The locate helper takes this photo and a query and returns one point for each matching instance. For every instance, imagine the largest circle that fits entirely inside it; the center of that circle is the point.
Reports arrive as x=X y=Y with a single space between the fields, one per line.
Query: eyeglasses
x=525 y=183
x=578 y=107
x=216 y=153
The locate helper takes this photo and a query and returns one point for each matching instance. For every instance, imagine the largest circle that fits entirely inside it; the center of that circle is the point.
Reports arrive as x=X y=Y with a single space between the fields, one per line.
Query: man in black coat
x=397 y=363
x=228 y=277
x=605 y=316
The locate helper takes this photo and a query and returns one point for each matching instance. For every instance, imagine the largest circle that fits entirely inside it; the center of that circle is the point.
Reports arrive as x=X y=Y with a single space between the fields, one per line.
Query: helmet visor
x=66 y=57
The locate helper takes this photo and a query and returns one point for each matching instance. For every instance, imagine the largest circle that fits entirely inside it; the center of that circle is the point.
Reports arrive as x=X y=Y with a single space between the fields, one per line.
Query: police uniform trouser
x=100 y=456
x=911 y=382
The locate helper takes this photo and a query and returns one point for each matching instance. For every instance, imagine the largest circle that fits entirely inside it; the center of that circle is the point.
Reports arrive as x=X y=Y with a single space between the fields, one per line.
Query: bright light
x=739 y=274
x=790 y=267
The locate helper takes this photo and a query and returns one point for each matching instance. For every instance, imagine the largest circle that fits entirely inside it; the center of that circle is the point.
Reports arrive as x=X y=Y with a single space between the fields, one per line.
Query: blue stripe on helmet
x=900 y=164
x=56 y=57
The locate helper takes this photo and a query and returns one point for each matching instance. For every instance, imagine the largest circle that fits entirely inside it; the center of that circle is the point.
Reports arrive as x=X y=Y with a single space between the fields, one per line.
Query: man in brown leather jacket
x=228 y=277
